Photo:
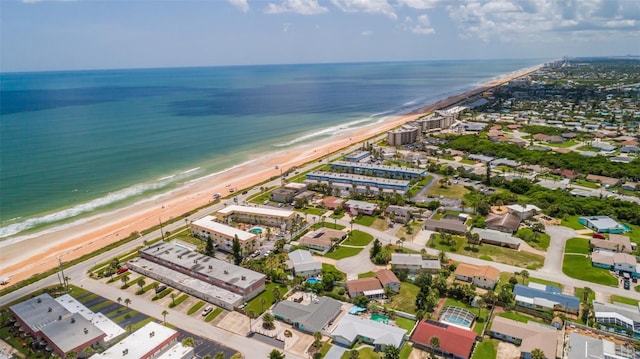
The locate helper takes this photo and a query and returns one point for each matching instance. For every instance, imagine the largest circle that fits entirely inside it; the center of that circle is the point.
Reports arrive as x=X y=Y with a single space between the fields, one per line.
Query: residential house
x=604 y=180
x=282 y=195
x=582 y=346
x=527 y=336
x=360 y=207
x=414 y=263
x=618 y=262
x=332 y=202
x=507 y=222
x=369 y=287
x=455 y=343
x=482 y=276
x=618 y=315
x=630 y=186
x=545 y=297
x=322 y=239
x=444 y=225
x=352 y=328
x=311 y=318
x=523 y=212
x=304 y=265
x=566 y=173
x=615 y=243
x=401 y=214
x=601 y=224
x=388 y=279
x=497 y=238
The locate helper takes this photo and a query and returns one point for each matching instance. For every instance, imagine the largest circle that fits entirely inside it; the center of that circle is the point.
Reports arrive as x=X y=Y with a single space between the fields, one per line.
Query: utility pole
x=64 y=278
x=161 y=232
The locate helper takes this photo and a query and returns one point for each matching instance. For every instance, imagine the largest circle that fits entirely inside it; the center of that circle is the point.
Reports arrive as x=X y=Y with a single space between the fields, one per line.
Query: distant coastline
x=87 y=234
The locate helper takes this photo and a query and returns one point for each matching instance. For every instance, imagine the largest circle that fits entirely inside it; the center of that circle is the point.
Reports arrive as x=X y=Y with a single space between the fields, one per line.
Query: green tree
x=391 y=352
x=164 y=316
x=277 y=296
x=361 y=301
x=127 y=301
x=210 y=249
x=125 y=278
x=377 y=247
x=354 y=354
x=141 y=283
x=276 y=354
x=537 y=354
x=72 y=355
x=267 y=321
x=188 y=342
x=219 y=355
x=434 y=343
x=236 y=249
x=88 y=351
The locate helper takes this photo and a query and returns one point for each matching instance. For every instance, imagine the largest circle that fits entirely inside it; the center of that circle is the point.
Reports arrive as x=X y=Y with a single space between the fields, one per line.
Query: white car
x=207 y=310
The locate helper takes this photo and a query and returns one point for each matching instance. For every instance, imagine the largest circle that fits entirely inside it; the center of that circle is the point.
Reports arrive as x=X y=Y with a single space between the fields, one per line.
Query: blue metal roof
x=551 y=293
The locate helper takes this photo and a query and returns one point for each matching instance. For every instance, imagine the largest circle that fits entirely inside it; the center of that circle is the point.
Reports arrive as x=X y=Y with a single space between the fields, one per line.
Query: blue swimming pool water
x=313 y=280
x=457 y=320
x=256 y=230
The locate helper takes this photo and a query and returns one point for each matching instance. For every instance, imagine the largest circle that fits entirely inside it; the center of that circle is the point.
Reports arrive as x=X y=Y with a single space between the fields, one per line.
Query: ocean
x=75 y=143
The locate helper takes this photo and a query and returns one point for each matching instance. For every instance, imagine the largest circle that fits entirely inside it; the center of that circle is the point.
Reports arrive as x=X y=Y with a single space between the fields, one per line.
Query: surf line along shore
x=22 y=259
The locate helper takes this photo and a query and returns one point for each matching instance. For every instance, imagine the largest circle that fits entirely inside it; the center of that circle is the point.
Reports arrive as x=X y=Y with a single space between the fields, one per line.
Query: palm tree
x=188 y=342
x=354 y=354
x=391 y=352
x=173 y=299
x=251 y=314
x=124 y=278
x=72 y=355
x=86 y=352
x=434 y=343
x=277 y=296
x=141 y=283
x=164 y=316
x=537 y=354
x=127 y=301
x=219 y=355
x=276 y=354
x=119 y=300
x=262 y=301
x=267 y=321
x=525 y=275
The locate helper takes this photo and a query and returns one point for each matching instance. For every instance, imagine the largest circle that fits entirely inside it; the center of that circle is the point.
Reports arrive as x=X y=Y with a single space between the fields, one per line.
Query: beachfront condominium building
x=181 y=258
x=257 y=215
x=403 y=136
x=372 y=184
x=434 y=123
x=223 y=235
x=377 y=170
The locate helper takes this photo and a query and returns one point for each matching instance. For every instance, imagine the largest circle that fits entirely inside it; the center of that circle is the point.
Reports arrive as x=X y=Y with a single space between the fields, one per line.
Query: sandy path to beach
x=22 y=259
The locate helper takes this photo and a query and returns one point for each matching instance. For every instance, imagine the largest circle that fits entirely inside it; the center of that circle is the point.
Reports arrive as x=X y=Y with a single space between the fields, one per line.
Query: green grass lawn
x=637 y=288
x=565 y=144
x=467 y=161
x=195 y=307
x=579 y=267
x=493 y=253
x=327 y=225
x=486 y=349
x=624 y=300
x=415 y=228
x=579 y=292
x=588 y=184
x=405 y=351
x=366 y=275
x=452 y=191
x=572 y=222
x=405 y=323
x=577 y=245
x=358 y=238
x=546 y=282
x=480 y=320
x=520 y=317
x=255 y=305
x=365 y=220
x=541 y=243
x=213 y=315
x=343 y=252
x=178 y=301
x=365 y=353
x=311 y=210
x=325 y=349
x=405 y=300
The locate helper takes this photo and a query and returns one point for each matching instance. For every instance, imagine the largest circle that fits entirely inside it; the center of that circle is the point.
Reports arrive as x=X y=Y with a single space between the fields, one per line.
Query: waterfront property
x=282 y=195
x=257 y=215
x=222 y=234
x=311 y=318
x=434 y=123
x=236 y=279
x=362 y=183
x=322 y=239
x=482 y=276
x=151 y=341
x=378 y=170
x=303 y=264
x=601 y=224
x=414 y=263
x=456 y=343
x=352 y=328
x=618 y=316
x=45 y=319
x=545 y=297
x=402 y=136
x=528 y=336
x=497 y=238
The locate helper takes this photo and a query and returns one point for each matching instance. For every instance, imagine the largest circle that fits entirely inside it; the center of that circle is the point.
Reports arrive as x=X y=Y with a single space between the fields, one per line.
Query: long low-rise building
x=375 y=183
x=198 y=288
x=322 y=239
x=151 y=341
x=223 y=235
x=497 y=238
x=618 y=315
x=545 y=297
x=181 y=258
x=257 y=215
x=377 y=170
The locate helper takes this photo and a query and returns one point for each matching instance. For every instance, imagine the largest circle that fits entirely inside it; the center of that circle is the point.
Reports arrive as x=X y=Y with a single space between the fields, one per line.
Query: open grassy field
x=327 y=225
x=358 y=238
x=588 y=184
x=577 y=245
x=452 y=191
x=343 y=252
x=579 y=267
x=406 y=299
x=572 y=222
x=486 y=349
x=542 y=242
x=366 y=275
x=624 y=300
x=365 y=220
x=415 y=228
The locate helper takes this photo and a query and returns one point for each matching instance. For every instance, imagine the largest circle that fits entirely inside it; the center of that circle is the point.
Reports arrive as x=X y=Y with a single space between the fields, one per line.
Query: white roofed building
x=257 y=215
x=352 y=328
x=303 y=264
x=151 y=341
x=223 y=235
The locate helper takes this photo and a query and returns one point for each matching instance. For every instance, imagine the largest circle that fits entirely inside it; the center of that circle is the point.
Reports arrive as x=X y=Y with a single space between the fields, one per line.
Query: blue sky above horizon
x=39 y=35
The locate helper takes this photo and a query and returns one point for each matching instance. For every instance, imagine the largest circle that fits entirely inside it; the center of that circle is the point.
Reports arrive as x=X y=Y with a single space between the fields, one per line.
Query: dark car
x=161 y=288
x=626 y=284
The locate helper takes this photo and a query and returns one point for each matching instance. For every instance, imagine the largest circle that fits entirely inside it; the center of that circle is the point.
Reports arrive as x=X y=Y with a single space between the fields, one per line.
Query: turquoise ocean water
x=76 y=143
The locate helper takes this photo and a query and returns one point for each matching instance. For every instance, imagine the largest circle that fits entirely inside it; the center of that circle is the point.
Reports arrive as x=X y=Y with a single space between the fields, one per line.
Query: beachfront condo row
x=257 y=215
x=362 y=183
x=223 y=235
x=377 y=170
x=434 y=123
x=403 y=136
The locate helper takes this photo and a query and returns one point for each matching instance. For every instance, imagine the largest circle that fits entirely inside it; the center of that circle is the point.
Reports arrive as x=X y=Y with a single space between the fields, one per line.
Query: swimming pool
x=380 y=318
x=313 y=280
x=456 y=320
x=456 y=316
x=256 y=230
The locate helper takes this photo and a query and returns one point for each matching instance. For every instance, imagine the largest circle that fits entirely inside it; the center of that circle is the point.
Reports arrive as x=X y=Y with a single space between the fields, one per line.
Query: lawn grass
x=213 y=315
x=177 y=302
x=577 y=245
x=126 y=315
x=579 y=292
x=162 y=294
x=624 y=300
x=365 y=220
x=405 y=323
x=366 y=275
x=255 y=305
x=343 y=252
x=543 y=239
x=520 y=317
x=327 y=225
x=415 y=228
x=565 y=144
x=545 y=282
x=486 y=349
x=311 y=210
x=588 y=184
x=358 y=238
x=365 y=353
x=579 y=267
x=467 y=161
x=480 y=320
x=196 y=307
x=324 y=350
x=405 y=300
x=405 y=351
x=452 y=191
x=572 y=222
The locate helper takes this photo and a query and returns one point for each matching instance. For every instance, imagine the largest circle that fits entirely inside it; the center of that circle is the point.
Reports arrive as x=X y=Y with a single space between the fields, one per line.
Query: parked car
x=122 y=270
x=627 y=285
x=598 y=235
x=160 y=288
x=207 y=310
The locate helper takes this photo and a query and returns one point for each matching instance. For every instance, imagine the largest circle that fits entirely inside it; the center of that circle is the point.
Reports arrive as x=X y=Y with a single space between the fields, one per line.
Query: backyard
x=451 y=191
x=405 y=300
x=480 y=321
x=577 y=245
x=486 y=349
x=579 y=266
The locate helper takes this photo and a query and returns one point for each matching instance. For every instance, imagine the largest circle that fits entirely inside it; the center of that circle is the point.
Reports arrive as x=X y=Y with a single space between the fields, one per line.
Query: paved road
x=555 y=252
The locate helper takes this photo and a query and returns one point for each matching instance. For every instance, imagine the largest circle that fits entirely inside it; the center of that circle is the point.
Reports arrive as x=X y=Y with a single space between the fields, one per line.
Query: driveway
x=555 y=252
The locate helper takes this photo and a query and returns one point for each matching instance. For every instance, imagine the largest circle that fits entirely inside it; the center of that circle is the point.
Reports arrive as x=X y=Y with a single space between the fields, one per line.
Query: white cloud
x=286 y=26
x=366 y=6
x=423 y=26
x=302 y=7
x=242 y=5
x=366 y=33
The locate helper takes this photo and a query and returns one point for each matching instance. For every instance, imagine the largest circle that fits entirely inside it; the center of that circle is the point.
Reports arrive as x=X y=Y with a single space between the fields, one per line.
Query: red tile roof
x=453 y=340
x=386 y=277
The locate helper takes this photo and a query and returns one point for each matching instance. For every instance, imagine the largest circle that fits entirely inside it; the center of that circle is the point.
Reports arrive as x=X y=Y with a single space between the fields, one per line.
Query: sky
x=42 y=35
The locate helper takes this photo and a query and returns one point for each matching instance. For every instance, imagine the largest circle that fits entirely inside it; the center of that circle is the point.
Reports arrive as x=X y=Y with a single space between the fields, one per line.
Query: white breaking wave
x=334 y=130
x=110 y=198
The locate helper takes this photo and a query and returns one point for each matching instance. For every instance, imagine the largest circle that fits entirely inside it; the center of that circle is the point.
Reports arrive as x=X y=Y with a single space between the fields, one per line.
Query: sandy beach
x=25 y=258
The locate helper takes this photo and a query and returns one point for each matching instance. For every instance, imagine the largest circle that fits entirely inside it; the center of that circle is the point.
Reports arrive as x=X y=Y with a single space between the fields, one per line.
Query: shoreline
x=40 y=253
